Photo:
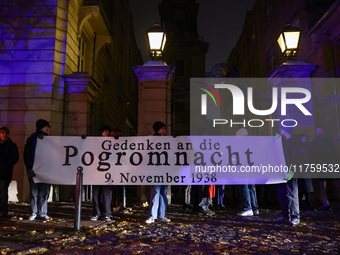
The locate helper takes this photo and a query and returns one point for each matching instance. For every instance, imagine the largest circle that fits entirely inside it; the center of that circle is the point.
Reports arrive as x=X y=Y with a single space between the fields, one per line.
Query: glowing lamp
x=157 y=39
x=289 y=41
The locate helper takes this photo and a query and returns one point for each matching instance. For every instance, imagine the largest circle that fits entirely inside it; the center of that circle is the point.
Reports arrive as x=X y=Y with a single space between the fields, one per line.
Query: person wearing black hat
x=159 y=128
x=102 y=210
x=9 y=156
x=158 y=200
x=39 y=192
x=288 y=193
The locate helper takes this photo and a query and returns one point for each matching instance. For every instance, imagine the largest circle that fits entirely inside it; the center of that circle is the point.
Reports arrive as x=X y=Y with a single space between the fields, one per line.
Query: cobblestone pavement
x=188 y=233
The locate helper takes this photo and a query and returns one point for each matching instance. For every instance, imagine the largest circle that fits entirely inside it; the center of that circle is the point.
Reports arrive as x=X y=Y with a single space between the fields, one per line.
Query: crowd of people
x=200 y=198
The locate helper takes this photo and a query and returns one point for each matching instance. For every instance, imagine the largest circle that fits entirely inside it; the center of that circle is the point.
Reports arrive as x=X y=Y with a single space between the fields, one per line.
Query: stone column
x=77 y=120
x=295 y=74
x=154 y=104
x=80 y=92
x=154 y=101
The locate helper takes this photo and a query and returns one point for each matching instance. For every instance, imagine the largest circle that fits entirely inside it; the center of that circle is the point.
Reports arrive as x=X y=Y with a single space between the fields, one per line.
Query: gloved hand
x=289 y=176
x=30 y=173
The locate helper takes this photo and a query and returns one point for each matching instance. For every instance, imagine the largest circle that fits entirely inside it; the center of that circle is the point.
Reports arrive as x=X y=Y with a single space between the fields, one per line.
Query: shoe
x=209 y=212
x=115 y=209
x=312 y=209
x=282 y=220
x=327 y=208
x=94 y=218
x=256 y=212
x=45 y=217
x=197 y=209
x=149 y=221
x=220 y=207
x=295 y=222
x=165 y=220
x=246 y=213
x=107 y=218
x=32 y=217
x=187 y=206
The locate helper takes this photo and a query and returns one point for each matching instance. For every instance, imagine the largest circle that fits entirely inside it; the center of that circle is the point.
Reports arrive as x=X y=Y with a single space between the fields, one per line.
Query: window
x=179 y=28
x=179 y=64
x=271 y=59
x=180 y=107
x=81 y=56
x=253 y=34
x=269 y=14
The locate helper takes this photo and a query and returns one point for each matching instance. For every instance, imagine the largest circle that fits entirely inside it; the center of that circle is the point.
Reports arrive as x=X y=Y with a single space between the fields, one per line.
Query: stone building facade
x=184 y=50
x=69 y=62
x=257 y=52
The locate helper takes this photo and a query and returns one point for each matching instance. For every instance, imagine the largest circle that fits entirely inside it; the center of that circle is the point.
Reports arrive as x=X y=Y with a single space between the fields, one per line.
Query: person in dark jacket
x=9 y=156
x=305 y=184
x=158 y=200
x=322 y=151
x=288 y=193
x=39 y=192
x=102 y=194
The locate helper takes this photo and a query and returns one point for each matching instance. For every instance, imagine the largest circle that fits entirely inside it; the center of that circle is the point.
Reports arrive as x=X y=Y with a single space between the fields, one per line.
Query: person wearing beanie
x=9 y=156
x=106 y=129
x=288 y=193
x=159 y=128
x=102 y=210
x=39 y=192
x=288 y=130
x=40 y=124
x=158 y=200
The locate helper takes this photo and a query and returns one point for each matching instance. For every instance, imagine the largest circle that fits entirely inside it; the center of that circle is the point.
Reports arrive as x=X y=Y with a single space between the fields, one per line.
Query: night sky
x=220 y=23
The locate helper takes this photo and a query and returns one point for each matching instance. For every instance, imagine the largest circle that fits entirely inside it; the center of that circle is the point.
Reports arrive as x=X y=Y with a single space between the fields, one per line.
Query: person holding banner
x=9 y=156
x=158 y=200
x=39 y=192
x=322 y=151
x=117 y=190
x=102 y=191
x=247 y=191
x=288 y=194
x=305 y=184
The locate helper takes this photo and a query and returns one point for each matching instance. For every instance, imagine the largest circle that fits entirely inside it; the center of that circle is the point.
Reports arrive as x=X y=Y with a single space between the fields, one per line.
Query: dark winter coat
x=323 y=151
x=9 y=156
x=29 y=150
x=291 y=150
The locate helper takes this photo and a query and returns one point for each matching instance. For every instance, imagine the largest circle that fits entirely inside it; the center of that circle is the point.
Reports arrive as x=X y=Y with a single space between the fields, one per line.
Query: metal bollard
x=79 y=185
x=124 y=196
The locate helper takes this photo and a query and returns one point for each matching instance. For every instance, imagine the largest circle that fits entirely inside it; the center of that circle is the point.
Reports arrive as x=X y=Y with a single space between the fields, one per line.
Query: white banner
x=160 y=160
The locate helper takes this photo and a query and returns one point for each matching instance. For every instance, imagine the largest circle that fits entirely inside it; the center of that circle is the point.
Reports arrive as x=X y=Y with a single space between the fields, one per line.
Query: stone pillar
x=154 y=101
x=81 y=90
x=154 y=104
x=295 y=74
